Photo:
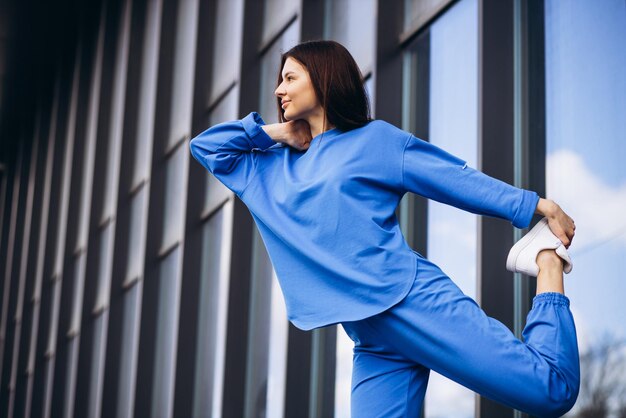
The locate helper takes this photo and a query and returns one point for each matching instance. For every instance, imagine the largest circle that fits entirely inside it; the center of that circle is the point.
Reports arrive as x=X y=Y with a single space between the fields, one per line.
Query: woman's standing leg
x=384 y=382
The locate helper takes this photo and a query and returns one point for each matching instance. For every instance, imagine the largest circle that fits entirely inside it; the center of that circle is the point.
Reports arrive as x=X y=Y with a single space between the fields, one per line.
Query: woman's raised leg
x=439 y=327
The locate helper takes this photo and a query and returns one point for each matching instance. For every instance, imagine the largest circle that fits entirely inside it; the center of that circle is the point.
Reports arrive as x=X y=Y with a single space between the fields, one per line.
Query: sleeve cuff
x=252 y=125
x=526 y=209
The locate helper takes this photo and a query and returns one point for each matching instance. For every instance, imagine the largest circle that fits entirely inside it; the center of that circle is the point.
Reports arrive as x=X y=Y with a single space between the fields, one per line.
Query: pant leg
x=439 y=327
x=385 y=384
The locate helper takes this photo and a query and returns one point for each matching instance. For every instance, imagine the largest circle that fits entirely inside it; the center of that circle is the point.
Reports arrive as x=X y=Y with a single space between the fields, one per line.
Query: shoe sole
x=520 y=245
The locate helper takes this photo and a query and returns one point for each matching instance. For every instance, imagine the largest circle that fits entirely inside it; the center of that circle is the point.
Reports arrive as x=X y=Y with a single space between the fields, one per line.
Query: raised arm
x=436 y=174
x=226 y=150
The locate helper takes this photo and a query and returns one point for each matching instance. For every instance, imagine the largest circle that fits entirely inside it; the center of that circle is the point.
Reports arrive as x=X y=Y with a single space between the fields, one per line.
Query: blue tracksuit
x=327 y=218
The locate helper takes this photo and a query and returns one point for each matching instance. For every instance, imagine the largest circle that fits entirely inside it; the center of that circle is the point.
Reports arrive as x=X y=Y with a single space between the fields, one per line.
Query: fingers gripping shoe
x=523 y=255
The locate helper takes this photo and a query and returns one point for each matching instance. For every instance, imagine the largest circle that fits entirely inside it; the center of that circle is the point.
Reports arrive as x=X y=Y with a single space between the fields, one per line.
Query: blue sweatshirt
x=327 y=214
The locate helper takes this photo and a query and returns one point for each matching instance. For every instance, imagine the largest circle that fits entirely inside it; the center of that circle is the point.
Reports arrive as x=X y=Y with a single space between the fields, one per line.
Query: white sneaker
x=523 y=255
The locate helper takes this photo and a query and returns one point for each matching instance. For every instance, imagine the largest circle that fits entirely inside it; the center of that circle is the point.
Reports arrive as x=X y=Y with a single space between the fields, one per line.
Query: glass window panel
x=78 y=279
x=277 y=363
x=226 y=46
x=137 y=234
x=418 y=12
x=216 y=192
x=130 y=346
x=269 y=71
x=166 y=334
x=259 y=328
x=175 y=195
x=97 y=364
x=184 y=66
x=55 y=292
x=585 y=149
x=105 y=265
x=144 y=136
x=212 y=313
x=85 y=196
x=352 y=23
x=276 y=15
x=343 y=374
x=452 y=240
x=66 y=174
x=117 y=115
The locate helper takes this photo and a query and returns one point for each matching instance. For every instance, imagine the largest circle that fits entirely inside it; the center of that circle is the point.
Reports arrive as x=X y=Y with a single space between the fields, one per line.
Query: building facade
x=133 y=283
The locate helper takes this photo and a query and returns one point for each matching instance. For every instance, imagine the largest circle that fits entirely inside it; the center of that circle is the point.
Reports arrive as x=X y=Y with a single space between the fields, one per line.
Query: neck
x=318 y=125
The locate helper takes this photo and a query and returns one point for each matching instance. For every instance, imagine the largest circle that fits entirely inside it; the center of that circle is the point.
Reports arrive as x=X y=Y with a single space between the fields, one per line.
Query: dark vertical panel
x=86 y=366
x=496 y=158
x=6 y=187
x=6 y=282
x=122 y=225
x=187 y=355
x=27 y=315
x=417 y=206
x=45 y=299
x=144 y=385
x=49 y=141
x=11 y=273
x=312 y=20
x=238 y=310
x=237 y=334
x=389 y=62
x=298 y=379
x=67 y=280
x=205 y=56
x=122 y=221
x=324 y=366
x=535 y=166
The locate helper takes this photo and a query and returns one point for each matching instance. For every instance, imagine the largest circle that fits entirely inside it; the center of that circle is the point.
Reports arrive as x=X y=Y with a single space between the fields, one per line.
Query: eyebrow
x=287 y=73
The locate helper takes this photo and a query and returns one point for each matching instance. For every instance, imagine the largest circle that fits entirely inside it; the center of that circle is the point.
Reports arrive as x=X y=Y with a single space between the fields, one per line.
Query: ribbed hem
x=252 y=125
x=526 y=209
x=553 y=298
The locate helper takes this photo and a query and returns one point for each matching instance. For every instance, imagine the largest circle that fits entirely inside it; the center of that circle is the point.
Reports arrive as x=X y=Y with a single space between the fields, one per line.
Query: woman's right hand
x=295 y=133
x=559 y=222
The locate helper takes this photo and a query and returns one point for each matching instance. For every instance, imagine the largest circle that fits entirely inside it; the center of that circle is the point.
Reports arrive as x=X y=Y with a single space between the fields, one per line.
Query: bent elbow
x=558 y=402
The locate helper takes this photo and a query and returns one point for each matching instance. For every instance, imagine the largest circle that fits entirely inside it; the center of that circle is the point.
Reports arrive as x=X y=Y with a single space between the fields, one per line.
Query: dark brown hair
x=336 y=79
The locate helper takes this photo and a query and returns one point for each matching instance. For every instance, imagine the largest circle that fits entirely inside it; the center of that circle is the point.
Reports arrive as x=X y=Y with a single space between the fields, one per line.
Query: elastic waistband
x=551 y=297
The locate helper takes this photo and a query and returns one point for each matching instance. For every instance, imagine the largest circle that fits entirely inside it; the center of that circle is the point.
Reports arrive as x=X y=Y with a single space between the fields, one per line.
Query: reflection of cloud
x=452 y=244
x=455 y=231
x=445 y=398
x=343 y=374
x=597 y=208
x=582 y=330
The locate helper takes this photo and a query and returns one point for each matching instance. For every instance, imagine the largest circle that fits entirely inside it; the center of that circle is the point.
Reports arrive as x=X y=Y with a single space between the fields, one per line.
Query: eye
x=289 y=77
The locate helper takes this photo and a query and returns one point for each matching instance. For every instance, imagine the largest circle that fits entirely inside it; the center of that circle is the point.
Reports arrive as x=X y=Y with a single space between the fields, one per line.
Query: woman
x=323 y=185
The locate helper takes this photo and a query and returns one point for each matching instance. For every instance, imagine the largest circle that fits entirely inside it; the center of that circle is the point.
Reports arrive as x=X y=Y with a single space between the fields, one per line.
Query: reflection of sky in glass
x=586 y=147
x=453 y=119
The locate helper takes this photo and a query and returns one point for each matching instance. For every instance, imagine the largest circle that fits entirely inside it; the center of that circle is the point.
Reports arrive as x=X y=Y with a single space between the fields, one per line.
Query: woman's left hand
x=561 y=224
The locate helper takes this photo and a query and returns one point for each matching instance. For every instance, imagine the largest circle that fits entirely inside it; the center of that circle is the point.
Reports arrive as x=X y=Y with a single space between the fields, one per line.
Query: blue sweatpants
x=437 y=327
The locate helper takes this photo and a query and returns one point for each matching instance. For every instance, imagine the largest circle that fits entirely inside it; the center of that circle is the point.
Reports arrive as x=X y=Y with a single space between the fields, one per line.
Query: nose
x=280 y=91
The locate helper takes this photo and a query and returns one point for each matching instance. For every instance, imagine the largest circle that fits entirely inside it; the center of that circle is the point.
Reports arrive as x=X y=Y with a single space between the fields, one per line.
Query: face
x=296 y=92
